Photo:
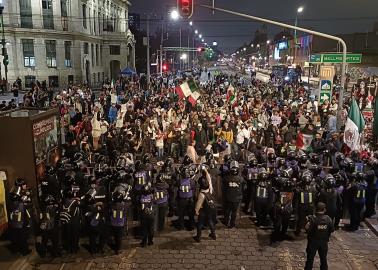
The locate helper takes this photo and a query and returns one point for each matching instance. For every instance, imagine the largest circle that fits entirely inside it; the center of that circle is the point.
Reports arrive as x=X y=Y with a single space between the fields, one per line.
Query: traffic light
x=185 y=8
x=6 y=60
x=201 y=49
x=165 y=67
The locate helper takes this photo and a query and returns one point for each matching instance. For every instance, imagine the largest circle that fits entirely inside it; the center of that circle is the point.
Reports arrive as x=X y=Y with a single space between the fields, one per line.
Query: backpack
x=210 y=200
x=118 y=215
x=66 y=213
x=16 y=216
x=252 y=174
x=185 y=189
x=147 y=204
x=46 y=223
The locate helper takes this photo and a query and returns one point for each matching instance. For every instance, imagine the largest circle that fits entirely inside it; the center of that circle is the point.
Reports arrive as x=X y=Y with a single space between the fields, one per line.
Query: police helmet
x=253 y=162
x=330 y=181
x=146 y=158
x=302 y=157
x=354 y=155
x=234 y=167
x=271 y=156
x=263 y=175
x=187 y=160
x=339 y=157
x=291 y=155
x=138 y=165
x=49 y=200
x=168 y=162
x=20 y=182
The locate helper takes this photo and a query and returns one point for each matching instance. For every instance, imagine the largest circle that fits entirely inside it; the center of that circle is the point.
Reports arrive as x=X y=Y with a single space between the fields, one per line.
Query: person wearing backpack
x=205 y=208
x=117 y=218
x=48 y=227
x=147 y=219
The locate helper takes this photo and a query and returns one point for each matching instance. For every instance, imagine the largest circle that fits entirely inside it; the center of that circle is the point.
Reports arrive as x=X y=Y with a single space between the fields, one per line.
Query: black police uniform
x=233 y=188
x=70 y=219
x=161 y=201
x=319 y=229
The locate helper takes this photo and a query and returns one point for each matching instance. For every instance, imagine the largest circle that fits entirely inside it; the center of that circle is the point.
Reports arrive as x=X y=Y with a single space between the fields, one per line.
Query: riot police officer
x=20 y=217
x=70 y=216
x=186 y=189
x=319 y=228
x=147 y=215
x=161 y=200
x=250 y=174
x=168 y=175
x=357 y=193
x=304 y=198
x=331 y=198
x=48 y=228
x=118 y=214
x=263 y=198
x=233 y=184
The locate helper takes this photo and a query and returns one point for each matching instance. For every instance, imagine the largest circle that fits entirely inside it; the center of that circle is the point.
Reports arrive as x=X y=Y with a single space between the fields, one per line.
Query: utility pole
x=180 y=48
x=148 y=50
x=4 y=49
x=188 y=49
x=315 y=33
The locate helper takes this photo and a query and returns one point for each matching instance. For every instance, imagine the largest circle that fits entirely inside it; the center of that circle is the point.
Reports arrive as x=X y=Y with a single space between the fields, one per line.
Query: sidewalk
x=372 y=224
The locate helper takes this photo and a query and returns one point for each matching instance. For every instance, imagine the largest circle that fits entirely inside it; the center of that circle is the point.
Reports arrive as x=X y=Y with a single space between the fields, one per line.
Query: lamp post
x=299 y=11
x=4 y=49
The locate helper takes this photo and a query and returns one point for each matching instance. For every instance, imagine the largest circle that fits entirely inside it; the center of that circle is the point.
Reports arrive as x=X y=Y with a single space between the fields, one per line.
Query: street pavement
x=244 y=248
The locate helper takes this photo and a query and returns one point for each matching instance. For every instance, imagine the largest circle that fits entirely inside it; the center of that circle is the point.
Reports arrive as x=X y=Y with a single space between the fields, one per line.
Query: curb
x=372 y=224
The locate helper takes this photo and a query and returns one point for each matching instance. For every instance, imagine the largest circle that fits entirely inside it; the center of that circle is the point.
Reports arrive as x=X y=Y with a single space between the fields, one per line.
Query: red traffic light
x=165 y=67
x=200 y=49
x=185 y=8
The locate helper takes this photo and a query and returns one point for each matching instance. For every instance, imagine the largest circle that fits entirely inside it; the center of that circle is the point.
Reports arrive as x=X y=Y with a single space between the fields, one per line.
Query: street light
x=196 y=32
x=299 y=10
x=184 y=56
x=202 y=40
x=252 y=45
x=268 y=41
x=191 y=23
x=244 y=49
x=200 y=36
x=175 y=15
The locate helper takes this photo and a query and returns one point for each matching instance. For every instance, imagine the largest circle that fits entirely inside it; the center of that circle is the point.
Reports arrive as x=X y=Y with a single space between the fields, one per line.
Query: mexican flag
x=231 y=96
x=355 y=124
x=188 y=90
x=304 y=141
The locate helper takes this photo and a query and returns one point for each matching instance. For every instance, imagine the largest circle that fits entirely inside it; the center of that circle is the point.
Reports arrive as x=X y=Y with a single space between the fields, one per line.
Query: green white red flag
x=188 y=90
x=354 y=126
x=231 y=96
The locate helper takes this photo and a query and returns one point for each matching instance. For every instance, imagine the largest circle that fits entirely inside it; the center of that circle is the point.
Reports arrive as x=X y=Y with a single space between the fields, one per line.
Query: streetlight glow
x=175 y=15
x=268 y=41
x=191 y=23
x=200 y=35
x=196 y=32
x=202 y=40
x=184 y=56
x=300 y=9
x=244 y=49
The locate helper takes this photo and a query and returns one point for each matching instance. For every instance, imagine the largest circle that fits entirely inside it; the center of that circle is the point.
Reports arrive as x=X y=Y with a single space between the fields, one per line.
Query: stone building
x=63 y=41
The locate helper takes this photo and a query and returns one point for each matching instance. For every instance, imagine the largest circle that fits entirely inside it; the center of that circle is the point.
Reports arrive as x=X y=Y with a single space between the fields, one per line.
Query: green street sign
x=325 y=95
x=352 y=58
x=315 y=58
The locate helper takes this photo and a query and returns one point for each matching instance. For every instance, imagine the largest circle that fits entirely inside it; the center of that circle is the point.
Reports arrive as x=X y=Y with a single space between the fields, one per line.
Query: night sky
x=330 y=16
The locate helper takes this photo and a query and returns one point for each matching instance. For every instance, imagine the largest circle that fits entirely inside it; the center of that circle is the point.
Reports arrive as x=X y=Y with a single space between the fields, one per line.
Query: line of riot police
x=84 y=194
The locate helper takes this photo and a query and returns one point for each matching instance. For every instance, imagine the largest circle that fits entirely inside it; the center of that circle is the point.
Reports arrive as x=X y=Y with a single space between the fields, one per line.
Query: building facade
x=64 y=41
